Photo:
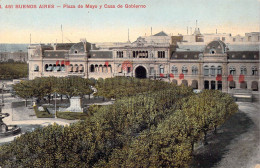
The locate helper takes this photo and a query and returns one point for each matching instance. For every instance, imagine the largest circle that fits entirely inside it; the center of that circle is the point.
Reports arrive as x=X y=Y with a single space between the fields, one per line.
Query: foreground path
x=24 y=122
x=237 y=143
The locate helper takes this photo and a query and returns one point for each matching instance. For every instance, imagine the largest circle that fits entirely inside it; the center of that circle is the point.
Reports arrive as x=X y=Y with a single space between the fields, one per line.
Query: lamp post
x=2 y=93
x=55 y=105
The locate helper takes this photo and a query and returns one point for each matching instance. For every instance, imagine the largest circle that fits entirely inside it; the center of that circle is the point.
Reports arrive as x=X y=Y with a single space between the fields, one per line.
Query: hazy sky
x=105 y=25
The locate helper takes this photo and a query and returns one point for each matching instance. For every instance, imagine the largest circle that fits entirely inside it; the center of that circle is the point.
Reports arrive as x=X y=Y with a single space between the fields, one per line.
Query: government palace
x=202 y=61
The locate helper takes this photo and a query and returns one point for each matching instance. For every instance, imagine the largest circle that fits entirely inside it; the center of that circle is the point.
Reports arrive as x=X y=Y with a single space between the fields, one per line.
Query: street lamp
x=55 y=105
x=2 y=93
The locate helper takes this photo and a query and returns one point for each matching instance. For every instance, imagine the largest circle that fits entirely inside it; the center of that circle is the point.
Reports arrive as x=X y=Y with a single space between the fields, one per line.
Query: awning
x=174 y=81
x=194 y=84
x=254 y=85
x=184 y=82
x=243 y=85
x=232 y=84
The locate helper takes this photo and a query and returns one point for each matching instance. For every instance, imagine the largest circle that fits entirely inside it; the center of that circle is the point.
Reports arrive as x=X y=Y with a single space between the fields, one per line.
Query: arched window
x=76 y=68
x=62 y=68
x=46 y=67
x=161 y=69
x=212 y=70
x=254 y=71
x=71 y=68
x=109 y=69
x=36 y=68
x=243 y=70
x=219 y=70
x=212 y=51
x=174 y=70
x=194 y=70
x=232 y=70
x=96 y=68
x=81 y=68
x=206 y=70
x=100 y=68
x=92 y=68
x=58 y=68
x=119 y=68
x=54 y=68
x=184 y=69
x=105 y=68
x=50 y=67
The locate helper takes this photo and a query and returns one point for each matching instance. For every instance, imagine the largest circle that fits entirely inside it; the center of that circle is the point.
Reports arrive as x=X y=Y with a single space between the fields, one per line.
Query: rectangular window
x=212 y=72
x=128 y=69
x=232 y=72
x=151 y=70
x=161 y=70
x=249 y=38
x=254 y=72
x=194 y=71
x=206 y=72
x=161 y=54
x=119 y=54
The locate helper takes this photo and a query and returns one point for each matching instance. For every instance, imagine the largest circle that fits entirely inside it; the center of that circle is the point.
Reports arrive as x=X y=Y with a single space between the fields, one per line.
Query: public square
x=236 y=143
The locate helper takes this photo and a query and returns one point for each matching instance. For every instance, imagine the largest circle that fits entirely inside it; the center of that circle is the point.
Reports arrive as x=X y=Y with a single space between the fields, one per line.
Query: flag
x=230 y=78
x=181 y=76
x=241 y=78
x=126 y=65
x=67 y=62
x=106 y=63
x=219 y=77
x=171 y=75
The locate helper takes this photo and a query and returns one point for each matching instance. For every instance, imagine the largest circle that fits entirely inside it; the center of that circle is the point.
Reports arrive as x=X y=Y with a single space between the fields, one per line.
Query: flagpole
x=61 y=33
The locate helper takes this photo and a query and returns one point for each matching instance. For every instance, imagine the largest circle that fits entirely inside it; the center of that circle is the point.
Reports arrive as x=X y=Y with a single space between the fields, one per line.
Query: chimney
x=93 y=46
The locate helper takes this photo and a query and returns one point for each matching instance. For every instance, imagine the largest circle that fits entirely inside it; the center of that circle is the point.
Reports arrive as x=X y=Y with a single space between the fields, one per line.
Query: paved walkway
x=25 y=121
x=237 y=143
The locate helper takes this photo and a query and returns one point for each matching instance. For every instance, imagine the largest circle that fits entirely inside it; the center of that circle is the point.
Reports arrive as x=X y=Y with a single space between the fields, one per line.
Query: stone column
x=200 y=74
x=224 y=78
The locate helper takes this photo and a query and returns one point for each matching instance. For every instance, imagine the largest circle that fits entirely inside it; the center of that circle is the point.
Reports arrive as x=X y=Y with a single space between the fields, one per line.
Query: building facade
x=201 y=61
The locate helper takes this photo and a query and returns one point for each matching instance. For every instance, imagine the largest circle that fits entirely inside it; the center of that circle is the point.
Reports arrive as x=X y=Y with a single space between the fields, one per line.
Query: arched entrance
x=140 y=72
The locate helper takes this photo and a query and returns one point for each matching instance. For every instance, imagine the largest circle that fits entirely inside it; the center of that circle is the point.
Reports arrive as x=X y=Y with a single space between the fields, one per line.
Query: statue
x=3 y=126
x=4 y=129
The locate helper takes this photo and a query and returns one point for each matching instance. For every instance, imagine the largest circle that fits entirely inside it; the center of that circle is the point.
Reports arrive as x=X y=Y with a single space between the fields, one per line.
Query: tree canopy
x=143 y=128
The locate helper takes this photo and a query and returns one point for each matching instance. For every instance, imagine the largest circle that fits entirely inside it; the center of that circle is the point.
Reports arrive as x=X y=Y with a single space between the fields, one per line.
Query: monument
x=7 y=130
x=75 y=106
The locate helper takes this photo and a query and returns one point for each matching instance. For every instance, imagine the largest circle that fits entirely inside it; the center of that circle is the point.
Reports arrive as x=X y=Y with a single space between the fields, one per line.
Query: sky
x=111 y=25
